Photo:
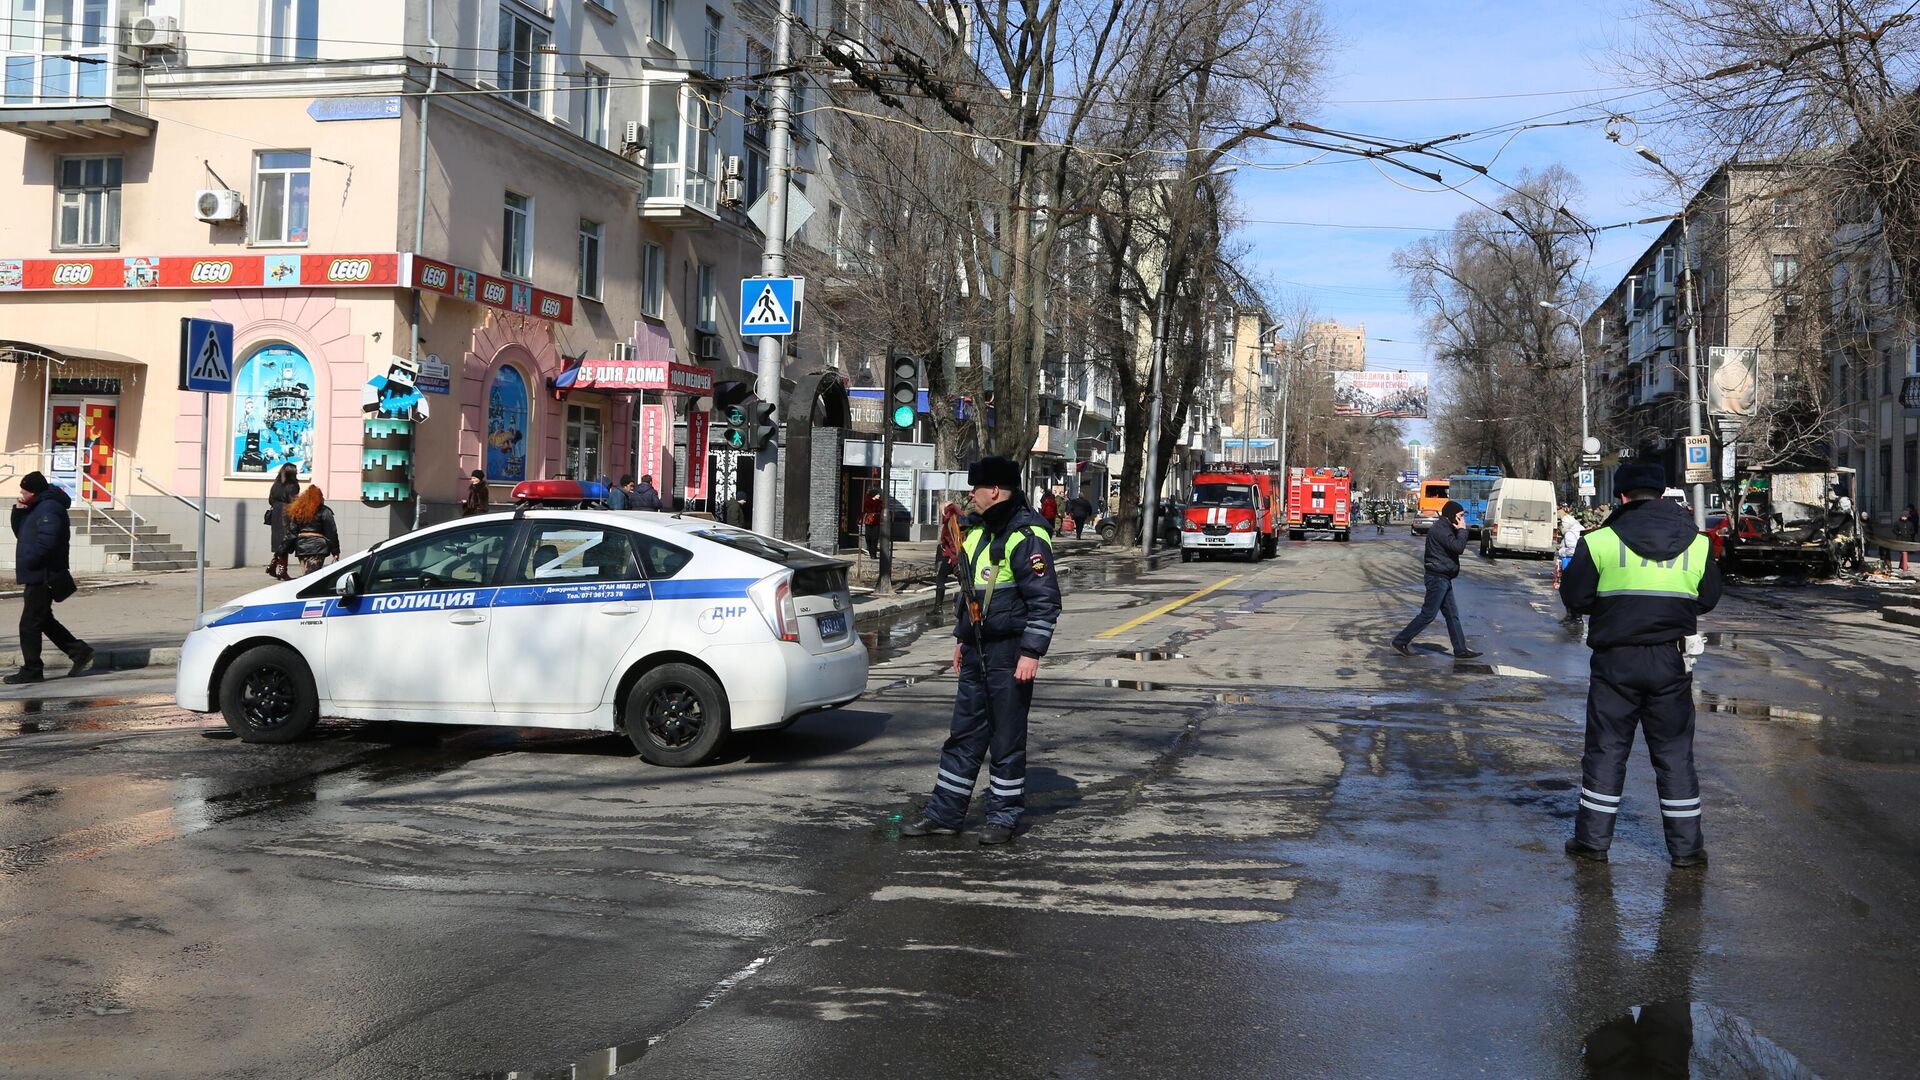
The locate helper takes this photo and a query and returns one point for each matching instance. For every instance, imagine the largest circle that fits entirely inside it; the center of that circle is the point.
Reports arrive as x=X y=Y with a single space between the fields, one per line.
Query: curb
x=125 y=658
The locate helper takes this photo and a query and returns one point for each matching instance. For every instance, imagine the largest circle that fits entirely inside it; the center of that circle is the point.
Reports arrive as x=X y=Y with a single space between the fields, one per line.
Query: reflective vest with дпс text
x=1624 y=572
x=989 y=574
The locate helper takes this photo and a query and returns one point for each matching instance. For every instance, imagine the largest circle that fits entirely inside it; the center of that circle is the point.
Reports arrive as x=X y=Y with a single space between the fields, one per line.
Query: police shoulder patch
x=1037 y=562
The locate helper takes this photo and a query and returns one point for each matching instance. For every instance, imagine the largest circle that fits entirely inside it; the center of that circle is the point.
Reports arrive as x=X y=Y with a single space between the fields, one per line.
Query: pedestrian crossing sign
x=206 y=356
x=769 y=306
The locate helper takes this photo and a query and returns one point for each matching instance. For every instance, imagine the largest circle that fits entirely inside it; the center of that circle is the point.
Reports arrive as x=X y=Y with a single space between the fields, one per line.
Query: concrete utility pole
x=1698 y=493
x=773 y=263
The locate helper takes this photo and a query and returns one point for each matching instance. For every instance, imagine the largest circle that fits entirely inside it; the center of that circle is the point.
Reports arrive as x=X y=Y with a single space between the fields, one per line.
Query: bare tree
x=1511 y=388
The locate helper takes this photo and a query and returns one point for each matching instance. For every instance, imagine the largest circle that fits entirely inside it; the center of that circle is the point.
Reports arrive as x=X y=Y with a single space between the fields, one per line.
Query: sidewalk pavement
x=139 y=620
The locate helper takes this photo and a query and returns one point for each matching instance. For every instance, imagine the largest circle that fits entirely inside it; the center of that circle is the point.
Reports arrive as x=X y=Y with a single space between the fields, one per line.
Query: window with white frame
x=715 y=38
x=56 y=51
x=706 y=304
x=293 y=29
x=87 y=207
x=662 y=25
x=522 y=60
x=593 y=106
x=592 y=235
x=282 y=190
x=653 y=281
x=516 y=236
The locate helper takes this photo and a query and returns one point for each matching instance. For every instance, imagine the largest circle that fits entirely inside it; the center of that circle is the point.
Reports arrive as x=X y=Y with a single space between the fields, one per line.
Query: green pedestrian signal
x=903 y=416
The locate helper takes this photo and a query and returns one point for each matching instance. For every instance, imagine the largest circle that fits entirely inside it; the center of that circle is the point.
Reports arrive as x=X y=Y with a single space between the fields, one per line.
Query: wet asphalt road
x=1273 y=848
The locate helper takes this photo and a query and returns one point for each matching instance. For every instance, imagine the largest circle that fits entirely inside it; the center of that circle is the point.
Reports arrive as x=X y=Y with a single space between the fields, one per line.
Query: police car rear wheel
x=676 y=715
x=267 y=696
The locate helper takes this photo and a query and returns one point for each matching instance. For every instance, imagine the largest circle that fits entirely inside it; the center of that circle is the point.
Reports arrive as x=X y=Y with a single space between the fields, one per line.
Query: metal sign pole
x=200 y=547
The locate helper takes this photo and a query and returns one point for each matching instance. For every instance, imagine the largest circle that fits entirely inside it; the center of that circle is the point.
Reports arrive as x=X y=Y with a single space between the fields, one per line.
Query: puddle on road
x=1685 y=1039
x=1134 y=684
x=1151 y=655
x=1884 y=739
x=890 y=637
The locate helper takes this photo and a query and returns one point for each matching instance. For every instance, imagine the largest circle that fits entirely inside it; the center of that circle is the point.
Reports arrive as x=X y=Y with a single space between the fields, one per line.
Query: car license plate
x=833 y=625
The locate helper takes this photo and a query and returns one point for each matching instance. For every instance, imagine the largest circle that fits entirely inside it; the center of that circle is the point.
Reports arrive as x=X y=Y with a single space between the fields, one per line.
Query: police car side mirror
x=348 y=586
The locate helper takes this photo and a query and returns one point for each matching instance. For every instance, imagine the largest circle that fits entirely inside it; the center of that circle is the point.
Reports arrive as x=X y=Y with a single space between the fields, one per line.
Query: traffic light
x=762 y=426
x=730 y=414
x=903 y=391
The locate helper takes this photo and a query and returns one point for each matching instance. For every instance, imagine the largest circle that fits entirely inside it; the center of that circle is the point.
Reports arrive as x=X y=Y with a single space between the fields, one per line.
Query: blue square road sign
x=769 y=306
x=206 y=356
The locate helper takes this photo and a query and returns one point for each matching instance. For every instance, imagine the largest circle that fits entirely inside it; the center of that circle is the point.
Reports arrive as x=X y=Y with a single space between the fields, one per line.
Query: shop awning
x=16 y=352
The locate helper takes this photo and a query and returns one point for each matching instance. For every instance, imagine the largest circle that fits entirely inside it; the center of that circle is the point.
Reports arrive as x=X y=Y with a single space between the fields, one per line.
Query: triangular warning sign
x=211 y=363
x=766 y=311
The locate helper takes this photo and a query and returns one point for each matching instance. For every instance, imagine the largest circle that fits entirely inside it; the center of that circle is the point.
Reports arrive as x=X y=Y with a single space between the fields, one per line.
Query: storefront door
x=83 y=438
x=583 y=442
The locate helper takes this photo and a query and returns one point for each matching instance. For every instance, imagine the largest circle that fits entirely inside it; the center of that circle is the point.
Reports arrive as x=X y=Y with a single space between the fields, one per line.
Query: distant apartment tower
x=1337 y=346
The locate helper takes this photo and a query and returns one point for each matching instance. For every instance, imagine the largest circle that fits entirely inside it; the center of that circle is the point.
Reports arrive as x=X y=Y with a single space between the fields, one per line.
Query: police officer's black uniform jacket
x=1026 y=594
x=1650 y=529
x=1643 y=578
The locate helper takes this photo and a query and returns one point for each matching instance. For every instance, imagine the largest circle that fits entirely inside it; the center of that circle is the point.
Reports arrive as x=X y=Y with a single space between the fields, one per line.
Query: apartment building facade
x=1874 y=358
x=501 y=199
x=1744 y=243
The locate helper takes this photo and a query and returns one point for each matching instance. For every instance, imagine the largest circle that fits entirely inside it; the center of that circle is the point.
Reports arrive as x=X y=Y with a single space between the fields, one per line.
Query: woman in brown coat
x=476 y=500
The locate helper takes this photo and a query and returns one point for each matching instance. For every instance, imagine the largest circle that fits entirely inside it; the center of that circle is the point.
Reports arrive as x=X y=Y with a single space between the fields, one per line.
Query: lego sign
x=432 y=275
x=191 y=272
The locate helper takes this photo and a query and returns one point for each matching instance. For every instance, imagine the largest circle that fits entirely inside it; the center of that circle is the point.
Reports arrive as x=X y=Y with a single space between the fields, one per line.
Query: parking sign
x=1699 y=459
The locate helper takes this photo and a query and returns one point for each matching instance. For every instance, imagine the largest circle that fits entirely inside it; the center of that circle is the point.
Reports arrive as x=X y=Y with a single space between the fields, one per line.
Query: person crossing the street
x=1004 y=618
x=1643 y=579
x=1440 y=564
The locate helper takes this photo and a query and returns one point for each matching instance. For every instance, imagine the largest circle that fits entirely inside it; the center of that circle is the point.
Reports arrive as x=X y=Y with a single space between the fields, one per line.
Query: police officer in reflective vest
x=1004 y=618
x=1643 y=577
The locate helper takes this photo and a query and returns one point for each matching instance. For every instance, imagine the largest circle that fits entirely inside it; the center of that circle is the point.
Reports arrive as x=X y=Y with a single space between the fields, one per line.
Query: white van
x=1520 y=518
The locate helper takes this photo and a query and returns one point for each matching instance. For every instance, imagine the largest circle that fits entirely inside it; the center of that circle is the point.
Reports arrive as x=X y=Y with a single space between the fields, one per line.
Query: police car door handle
x=619 y=608
x=467 y=618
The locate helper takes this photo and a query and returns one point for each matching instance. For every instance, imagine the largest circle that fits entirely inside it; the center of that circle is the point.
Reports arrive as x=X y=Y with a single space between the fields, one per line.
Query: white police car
x=677 y=630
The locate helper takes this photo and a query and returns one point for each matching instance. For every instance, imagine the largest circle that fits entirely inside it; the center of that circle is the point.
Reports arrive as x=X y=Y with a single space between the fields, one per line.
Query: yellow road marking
x=1164 y=608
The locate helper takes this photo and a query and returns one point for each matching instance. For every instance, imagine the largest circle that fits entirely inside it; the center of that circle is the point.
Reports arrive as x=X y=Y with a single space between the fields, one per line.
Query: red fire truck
x=1319 y=500
x=1232 y=513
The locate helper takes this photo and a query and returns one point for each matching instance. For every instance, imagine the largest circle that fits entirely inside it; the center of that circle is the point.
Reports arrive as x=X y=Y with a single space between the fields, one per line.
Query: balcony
x=63 y=75
x=683 y=150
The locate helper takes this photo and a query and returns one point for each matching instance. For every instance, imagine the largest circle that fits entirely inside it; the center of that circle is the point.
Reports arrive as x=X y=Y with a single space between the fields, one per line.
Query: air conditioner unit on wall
x=707 y=346
x=633 y=141
x=154 y=33
x=218 y=205
x=622 y=351
x=733 y=192
x=735 y=168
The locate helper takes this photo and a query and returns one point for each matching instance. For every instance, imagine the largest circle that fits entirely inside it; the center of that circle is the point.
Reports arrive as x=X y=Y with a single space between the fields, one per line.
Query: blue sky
x=1553 y=50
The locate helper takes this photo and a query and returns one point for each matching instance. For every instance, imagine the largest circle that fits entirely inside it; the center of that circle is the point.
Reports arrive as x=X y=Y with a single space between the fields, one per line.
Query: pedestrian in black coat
x=1446 y=542
x=42 y=534
x=285 y=489
x=644 y=497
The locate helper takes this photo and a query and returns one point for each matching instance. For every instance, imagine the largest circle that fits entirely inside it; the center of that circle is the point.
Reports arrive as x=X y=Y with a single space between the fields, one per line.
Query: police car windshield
x=1222 y=495
x=765 y=547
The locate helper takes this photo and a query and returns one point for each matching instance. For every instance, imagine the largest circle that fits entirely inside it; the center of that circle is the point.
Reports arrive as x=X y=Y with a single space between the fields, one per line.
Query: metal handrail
x=141 y=475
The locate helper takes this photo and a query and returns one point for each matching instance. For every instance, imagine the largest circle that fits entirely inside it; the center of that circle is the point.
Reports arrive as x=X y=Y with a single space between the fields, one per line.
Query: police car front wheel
x=676 y=715
x=267 y=695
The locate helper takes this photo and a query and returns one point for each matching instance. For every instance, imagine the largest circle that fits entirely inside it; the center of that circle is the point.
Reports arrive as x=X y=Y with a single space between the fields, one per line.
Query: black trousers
x=1649 y=687
x=873 y=540
x=36 y=618
x=1438 y=601
x=942 y=569
x=990 y=725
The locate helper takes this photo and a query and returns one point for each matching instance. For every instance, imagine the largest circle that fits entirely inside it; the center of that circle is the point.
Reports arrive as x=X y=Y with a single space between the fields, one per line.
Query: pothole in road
x=1686 y=1038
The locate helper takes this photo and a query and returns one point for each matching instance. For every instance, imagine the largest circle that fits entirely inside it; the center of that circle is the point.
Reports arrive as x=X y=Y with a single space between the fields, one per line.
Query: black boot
x=25 y=675
x=926 y=826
